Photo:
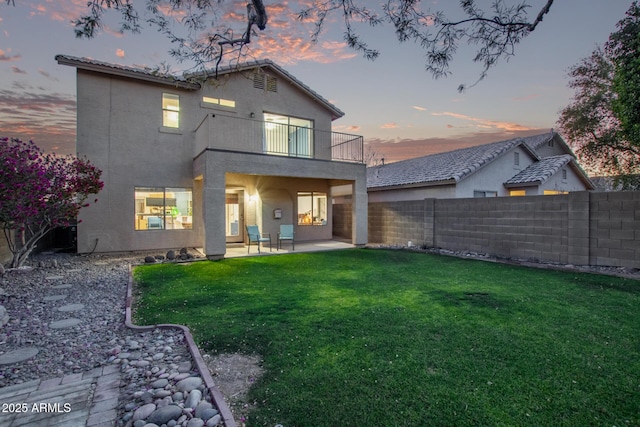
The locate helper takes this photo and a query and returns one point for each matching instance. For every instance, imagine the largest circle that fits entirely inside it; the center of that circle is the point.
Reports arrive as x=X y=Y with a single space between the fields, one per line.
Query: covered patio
x=240 y=250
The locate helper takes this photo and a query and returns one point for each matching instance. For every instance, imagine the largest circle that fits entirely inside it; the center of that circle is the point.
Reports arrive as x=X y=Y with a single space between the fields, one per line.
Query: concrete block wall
x=533 y=227
x=397 y=223
x=578 y=228
x=614 y=229
x=342 y=220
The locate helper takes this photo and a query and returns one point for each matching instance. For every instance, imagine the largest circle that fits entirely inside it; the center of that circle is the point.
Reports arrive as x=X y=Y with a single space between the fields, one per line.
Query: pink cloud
x=120 y=53
x=394 y=150
x=6 y=56
x=485 y=123
x=527 y=97
x=389 y=126
x=415 y=107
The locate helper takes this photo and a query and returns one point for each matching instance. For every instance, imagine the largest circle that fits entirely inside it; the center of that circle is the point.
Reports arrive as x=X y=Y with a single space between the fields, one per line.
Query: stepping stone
x=54 y=277
x=55 y=297
x=61 y=287
x=65 y=323
x=71 y=307
x=100 y=263
x=18 y=355
x=73 y=270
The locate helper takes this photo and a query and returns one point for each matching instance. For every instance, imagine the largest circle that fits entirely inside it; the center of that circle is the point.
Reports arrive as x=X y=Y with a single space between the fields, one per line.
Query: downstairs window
x=312 y=208
x=163 y=208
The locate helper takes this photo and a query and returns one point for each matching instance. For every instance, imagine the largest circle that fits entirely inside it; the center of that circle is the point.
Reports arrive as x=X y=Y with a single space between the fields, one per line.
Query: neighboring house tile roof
x=191 y=81
x=539 y=172
x=450 y=167
x=454 y=166
x=536 y=141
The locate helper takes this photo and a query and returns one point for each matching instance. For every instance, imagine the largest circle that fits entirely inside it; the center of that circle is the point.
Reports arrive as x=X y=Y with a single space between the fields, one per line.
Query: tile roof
x=536 y=141
x=146 y=74
x=190 y=81
x=540 y=171
x=452 y=166
x=250 y=65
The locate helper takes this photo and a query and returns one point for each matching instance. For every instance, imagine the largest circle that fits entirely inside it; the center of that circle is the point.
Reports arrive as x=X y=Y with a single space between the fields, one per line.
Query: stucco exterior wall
x=402 y=194
x=235 y=129
x=120 y=131
x=557 y=183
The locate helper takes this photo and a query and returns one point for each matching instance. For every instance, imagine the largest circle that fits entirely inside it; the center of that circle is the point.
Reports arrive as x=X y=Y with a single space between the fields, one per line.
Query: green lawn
x=368 y=337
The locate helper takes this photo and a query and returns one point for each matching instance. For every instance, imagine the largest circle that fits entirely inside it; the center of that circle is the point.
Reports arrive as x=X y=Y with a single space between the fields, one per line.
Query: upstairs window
x=170 y=110
x=516 y=159
x=312 y=208
x=219 y=101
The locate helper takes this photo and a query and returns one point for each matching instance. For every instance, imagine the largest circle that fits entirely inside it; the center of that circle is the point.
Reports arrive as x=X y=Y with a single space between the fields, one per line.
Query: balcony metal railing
x=250 y=135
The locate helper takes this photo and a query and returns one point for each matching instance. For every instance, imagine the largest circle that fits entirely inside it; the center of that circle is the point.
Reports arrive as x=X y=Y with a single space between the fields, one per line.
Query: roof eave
x=523 y=184
x=413 y=185
x=121 y=72
x=582 y=175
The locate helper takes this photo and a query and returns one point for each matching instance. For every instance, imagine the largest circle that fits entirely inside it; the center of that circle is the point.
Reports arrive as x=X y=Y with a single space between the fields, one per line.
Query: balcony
x=224 y=132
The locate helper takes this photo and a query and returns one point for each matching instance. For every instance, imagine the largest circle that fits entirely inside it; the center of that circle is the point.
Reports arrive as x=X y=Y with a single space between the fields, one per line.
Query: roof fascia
x=414 y=185
x=523 y=184
x=123 y=72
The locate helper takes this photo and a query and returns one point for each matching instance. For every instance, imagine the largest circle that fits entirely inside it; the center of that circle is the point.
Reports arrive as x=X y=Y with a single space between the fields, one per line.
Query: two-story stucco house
x=189 y=163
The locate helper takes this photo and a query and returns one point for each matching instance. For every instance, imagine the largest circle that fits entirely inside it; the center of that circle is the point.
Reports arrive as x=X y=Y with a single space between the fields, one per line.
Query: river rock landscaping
x=64 y=314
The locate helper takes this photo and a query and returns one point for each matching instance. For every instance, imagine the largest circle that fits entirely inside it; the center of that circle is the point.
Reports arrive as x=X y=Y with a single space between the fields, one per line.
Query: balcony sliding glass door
x=288 y=136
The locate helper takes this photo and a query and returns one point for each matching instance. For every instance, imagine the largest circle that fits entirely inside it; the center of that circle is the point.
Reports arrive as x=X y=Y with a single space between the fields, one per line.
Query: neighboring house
x=189 y=163
x=540 y=164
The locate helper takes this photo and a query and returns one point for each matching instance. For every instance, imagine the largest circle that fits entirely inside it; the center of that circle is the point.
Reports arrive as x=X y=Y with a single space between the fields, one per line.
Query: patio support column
x=213 y=204
x=359 y=213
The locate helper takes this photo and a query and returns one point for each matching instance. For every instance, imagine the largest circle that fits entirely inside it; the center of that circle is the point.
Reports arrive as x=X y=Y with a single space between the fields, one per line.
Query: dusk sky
x=397 y=106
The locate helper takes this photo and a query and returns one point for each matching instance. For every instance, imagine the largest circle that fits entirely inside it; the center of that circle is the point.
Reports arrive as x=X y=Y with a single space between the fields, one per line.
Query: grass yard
x=367 y=337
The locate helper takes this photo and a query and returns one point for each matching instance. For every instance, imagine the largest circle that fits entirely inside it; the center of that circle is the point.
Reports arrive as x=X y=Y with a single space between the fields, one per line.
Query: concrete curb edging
x=201 y=366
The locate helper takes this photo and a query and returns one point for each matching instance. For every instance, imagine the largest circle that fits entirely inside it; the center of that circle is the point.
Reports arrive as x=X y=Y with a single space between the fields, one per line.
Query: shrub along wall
x=578 y=228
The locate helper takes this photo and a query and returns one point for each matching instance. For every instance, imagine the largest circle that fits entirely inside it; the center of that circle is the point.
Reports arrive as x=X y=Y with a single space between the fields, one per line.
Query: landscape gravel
x=71 y=310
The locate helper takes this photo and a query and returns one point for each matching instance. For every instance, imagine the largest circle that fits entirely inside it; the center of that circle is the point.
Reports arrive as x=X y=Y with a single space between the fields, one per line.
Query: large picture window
x=288 y=136
x=163 y=208
x=170 y=110
x=312 y=208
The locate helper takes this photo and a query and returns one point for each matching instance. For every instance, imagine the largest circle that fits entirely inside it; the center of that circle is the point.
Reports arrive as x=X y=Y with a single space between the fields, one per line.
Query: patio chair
x=286 y=233
x=253 y=232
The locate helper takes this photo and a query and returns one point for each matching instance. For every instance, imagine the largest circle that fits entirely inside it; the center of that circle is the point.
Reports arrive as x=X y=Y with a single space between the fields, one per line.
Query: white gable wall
x=492 y=176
